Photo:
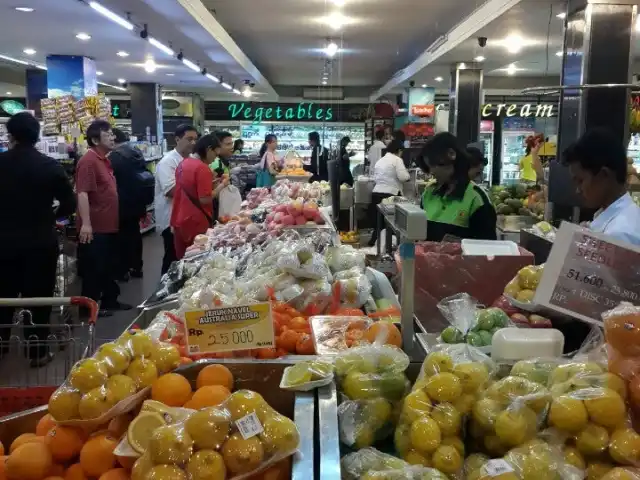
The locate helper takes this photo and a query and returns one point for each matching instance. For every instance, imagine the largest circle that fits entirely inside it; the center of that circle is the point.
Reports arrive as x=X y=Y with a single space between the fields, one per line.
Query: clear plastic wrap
x=345 y=257
x=336 y=333
x=308 y=375
x=371 y=464
x=522 y=288
x=354 y=287
x=303 y=262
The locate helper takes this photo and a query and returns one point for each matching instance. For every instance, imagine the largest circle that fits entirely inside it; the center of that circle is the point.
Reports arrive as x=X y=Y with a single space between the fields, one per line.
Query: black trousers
x=376 y=199
x=29 y=273
x=169 y=250
x=100 y=260
x=129 y=245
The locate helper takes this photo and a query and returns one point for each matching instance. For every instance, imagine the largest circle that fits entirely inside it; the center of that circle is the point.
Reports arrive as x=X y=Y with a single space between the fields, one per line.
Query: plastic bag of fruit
x=354 y=287
x=372 y=384
x=622 y=332
x=307 y=375
x=235 y=440
x=522 y=288
x=345 y=257
x=431 y=422
x=114 y=381
x=314 y=298
x=372 y=464
x=469 y=324
x=303 y=262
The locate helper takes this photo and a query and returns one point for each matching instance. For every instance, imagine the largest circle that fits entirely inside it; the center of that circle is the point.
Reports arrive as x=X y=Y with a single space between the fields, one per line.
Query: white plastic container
x=514 y=344
x=489 y=248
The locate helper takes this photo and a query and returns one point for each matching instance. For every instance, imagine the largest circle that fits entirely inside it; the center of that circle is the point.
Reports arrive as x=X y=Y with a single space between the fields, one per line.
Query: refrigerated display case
x=486 y=137
x=513 y=149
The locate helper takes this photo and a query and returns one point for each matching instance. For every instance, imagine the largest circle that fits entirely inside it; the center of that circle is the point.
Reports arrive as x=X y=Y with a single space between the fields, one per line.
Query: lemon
x=425 y=435
x=573 y=457
x=141 y=428
x=416 y=405
x=464 y=403
x=298 y=374
x=592 y=440
x=364 y=436
x=359 y=386
x=279 y=435
x=455 y=442
x=606 y=407
x=377 y=411
x=447 y=459
x=475 y=461
x=448 y=418
x=514 y=427
x=401 y=438
x=472 y=375
x=485 y=412
x=412 y=457
x=208 y=427
x=141 y=467
x=597 y=470
x=165 y=472
x=444 y=387
x=568 y=414
x=320 y=369
x=624 y=447
x=206 y=465
x=170 y=444
x=437 y=362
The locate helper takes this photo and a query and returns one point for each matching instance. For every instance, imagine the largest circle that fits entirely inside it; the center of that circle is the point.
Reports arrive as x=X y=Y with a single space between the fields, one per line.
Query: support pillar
x=465 y=103
x=146 y=112
x=36 y=89
x=597 y=50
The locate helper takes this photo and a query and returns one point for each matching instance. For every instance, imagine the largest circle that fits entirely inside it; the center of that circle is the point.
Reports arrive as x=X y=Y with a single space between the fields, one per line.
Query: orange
x=386 y=333
x=279 y=471
x=3 y=466
x=54 y=477
x=24 y=438
x=215 y=375
x=96 y=456
x=266 y=353
x=304 y=345
x=288 y=340
x=115 y=474
x=1 y=449
x=126 y=462
x=185 y=361
x=30 y=461
x=57 y=470
x=172 y=389
x=209 y=396
x=623 y=333
x=45 y=424
x=299 y=324
x=65 y=443
x=75 y=472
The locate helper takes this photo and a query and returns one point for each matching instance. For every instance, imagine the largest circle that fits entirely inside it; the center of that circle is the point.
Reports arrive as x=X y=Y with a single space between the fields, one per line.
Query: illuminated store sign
x=513 y=110
x=299 y=112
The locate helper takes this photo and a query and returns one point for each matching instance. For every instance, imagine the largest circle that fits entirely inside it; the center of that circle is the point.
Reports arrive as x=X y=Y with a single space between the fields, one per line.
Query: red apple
x=520 y=320
x=538 y=321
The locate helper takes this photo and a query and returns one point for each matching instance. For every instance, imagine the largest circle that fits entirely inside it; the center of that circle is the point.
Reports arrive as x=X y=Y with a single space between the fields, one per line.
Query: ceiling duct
x=323 y=94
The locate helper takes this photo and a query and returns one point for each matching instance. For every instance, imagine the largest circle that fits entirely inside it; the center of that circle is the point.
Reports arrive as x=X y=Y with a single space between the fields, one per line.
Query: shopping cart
x=65 y=273
x=22 y=387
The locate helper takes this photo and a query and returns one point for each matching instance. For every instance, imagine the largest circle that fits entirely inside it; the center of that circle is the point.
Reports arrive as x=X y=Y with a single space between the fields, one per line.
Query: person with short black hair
x=192 y=212
x=598 y=165
x=98 y=219
x=238 y=146
x=454 y=205
x=220 y=165
x=29 y=183
x=319 y=159
x=477 y=164
x=135 y=192
x=375 y=151
x=186 y=137
x=344 y=162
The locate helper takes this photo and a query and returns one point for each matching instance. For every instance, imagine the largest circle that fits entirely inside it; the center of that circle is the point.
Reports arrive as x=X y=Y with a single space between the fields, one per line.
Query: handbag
x=229 y=201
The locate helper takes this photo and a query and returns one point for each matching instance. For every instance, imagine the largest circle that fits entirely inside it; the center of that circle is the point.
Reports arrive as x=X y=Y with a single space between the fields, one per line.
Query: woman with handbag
x=192 y=212
x=268 y=167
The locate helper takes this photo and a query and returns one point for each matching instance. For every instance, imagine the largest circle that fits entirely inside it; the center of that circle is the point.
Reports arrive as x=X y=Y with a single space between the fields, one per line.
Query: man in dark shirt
x=319 y=159
x=29 y=183
x=97 y=220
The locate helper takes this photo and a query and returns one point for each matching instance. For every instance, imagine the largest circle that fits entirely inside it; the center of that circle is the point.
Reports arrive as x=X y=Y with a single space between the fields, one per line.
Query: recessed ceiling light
x=438 y=79
x=336 y=20
x=150 y=65
x=559 y=53
x=324 y=82
x=122 y=53
x=122 y=80
x=29 y=51
x=479 y=58
x=99 y=73
x=9 y=93
x=24 y=9
x=83 y=36
x=514 y=43
x=511 y=69
x=462 y=66
x=331 y=50
x=424 y=85
x=562 y=15
x=170 y=74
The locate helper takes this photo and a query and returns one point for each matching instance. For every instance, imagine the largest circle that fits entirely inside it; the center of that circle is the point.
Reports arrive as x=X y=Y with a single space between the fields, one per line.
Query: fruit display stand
x=294 y=178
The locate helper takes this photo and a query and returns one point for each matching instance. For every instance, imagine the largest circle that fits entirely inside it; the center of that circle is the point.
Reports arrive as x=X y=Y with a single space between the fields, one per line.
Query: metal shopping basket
x=65 y=272
x=23 y=387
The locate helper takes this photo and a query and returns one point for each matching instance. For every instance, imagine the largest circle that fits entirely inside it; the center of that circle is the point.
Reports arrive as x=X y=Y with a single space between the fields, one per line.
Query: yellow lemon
x=448 y=418
x=568 y=414
x=447 y=459
x=606 y=408
x=444 y=387
x=425 y=435
x=592 y=440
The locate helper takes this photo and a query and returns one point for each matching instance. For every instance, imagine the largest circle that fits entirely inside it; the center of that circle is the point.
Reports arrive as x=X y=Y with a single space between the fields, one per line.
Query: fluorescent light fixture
x=462 y=66
x=336 y=20
x=122 y=80
x=559 y=53
x=29 y=51
x=99 y=73
x=512 y=69
x=122 y=54
x=112 y=86
x=324 y=82
x=424 y=85
x=562 y=15
x=83 y=36
x=331 y=50
x=191 y=65
x=226 y=85
x=24 y=9
x=111 y=16
x=438 y=79
x=150 y=65
x=338 y=3
x=213 y=78
x=479 y=58
x=161 y=46
x=14 y=60
x=236 y=91
x=40 y=66
x=638 y=24
x=170 y=74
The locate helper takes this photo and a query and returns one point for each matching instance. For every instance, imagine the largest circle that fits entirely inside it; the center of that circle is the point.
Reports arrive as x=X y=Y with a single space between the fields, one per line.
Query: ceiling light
x=112 y=86
x=15 y=60
x=338 y=3
x=122 y=53
x=336 y=20
x=29 y=51
x=331 y=50
x=514 y=43
x=324 y=82
x=226 y=85
x=213 y=78
x=438 y=79
x=462 y=66
x=511 y=69
x=190 y=64
x=161 y=46
x=24 y=9
x=150 y=65
x=247 y=92
x=99 y=73
x=170 y=74
x=111 y=16
x=559 y=53
x=424 y=85
x=236 y=91
x=562 y=15
x=122 y=80
x=83 y=36
x=479 y=58
x=9 y=93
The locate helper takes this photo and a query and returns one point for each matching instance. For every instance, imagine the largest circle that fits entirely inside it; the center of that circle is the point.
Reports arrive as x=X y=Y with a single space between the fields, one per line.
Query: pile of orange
x=622 y=332
x=292 y=331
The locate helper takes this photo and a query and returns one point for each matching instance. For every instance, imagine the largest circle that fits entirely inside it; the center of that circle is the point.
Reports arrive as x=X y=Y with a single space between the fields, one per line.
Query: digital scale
x=411 y=221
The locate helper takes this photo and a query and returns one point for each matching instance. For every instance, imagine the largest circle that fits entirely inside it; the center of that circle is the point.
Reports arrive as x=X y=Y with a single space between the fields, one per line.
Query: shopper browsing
x=192 y=212
x=598 y=166
x=186 y=137
x=389 y=174
x=135 y=192
x=454 y=205
x=98 y=219
x=29 y=183
x=268 y=167
x=220 y=166
x=345 y=174
x=375 y=151
x=319 y=159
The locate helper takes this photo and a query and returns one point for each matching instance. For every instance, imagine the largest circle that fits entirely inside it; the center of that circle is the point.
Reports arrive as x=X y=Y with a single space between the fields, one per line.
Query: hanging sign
x=514 y=110
x=588 y=273
x=11 y=106
x=298 y=112
x=422 y=106
x=223 y=329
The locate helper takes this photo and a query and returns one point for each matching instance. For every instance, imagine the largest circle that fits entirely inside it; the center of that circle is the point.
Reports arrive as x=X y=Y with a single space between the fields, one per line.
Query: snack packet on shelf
x=372 y=383
x=372 y=464
x=307 y=375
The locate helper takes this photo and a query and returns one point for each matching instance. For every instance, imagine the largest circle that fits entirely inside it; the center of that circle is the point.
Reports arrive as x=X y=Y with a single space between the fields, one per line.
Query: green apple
x=452 y=335
x=474 y=338
x=485 y=319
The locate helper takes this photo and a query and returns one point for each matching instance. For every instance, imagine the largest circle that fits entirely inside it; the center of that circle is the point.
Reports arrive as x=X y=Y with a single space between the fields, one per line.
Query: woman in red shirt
x=192 y=212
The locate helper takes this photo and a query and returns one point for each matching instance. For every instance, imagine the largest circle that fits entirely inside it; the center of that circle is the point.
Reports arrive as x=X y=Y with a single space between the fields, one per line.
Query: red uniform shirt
x=193 y=179
x=94 y=176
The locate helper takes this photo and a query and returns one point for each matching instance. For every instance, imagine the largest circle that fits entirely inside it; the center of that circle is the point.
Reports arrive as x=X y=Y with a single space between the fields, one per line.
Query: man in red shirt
x=192 y=212
x=97 y=219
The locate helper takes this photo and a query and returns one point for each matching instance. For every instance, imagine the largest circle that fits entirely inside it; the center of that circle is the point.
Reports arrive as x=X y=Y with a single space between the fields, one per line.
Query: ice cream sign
x=514 y=110
x=301 y=112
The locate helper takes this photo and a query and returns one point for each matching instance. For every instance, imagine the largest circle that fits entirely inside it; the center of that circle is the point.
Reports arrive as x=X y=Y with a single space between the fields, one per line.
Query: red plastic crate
x=17 y=399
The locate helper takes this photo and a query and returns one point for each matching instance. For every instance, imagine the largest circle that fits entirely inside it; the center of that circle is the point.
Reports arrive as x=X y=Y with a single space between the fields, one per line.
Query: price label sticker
x=588 y=273
x=497 y=467
x=224 y=329
x=249 y=425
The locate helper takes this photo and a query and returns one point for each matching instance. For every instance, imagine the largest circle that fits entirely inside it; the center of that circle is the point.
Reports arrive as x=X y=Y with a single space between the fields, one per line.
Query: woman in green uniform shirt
x=454 y=205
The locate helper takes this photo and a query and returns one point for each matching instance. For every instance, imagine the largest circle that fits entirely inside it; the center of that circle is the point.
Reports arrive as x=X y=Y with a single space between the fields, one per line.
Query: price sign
x=222 y=329
x=588 y=273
